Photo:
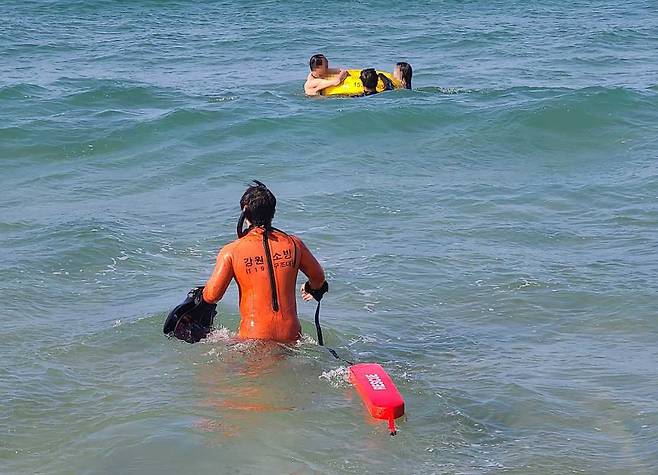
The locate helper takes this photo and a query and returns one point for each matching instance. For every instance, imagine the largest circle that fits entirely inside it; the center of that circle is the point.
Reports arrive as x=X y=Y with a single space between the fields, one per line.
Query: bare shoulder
x=309 y=85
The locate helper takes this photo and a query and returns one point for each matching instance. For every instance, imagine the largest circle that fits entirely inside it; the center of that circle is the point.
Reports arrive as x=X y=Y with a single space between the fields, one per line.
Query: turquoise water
x=490 y=237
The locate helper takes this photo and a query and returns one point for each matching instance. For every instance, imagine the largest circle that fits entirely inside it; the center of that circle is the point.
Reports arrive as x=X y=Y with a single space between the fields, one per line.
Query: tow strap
x=318 y=330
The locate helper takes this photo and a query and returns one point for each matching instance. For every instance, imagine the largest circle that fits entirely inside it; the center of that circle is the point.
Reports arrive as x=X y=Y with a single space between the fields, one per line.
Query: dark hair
x=259 y=204
x=316 y=61
x=407 y=72
x=369 y=78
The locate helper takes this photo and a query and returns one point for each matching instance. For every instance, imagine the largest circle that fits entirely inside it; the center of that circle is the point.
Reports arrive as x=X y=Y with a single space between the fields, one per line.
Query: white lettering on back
x=375 y=382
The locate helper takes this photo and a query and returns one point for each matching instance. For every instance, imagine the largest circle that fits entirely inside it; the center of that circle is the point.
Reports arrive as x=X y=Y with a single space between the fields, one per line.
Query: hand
x=305 y=295
x=316 y=294
x=343 y=74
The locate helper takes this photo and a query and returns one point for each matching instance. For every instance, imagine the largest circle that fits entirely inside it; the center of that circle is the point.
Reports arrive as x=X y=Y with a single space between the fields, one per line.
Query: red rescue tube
x=378 y=392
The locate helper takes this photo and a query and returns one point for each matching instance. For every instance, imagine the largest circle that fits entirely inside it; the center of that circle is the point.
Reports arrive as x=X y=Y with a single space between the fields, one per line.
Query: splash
x=305 y=340
x=218 y=335
x=338 y=378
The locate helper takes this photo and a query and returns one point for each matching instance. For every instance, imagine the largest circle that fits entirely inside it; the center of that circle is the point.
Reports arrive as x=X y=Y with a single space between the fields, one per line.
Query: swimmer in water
x=264 y=262
x=369 y=78
x=403 y=72
x=321 y=77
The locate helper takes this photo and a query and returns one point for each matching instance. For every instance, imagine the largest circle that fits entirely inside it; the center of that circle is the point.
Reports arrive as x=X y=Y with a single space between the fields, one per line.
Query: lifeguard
x=264 y=262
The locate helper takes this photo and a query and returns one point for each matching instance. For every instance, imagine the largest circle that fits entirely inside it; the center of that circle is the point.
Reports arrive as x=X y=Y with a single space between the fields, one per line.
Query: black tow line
x=318 y=329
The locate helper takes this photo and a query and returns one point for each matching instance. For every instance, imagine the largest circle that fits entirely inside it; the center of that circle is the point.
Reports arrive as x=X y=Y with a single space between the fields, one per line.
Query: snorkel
x=240 y=227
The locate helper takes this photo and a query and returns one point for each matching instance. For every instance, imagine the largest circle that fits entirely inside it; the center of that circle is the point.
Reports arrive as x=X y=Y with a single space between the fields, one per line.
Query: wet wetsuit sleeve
x=221 y=276
x=309 y=265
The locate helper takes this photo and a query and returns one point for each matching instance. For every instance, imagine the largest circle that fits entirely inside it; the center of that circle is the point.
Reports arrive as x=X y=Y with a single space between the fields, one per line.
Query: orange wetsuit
x=245 y=260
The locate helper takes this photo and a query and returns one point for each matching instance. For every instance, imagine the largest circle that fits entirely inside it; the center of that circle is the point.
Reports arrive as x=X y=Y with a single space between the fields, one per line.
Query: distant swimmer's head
x=369 y=79
x=258 y=204
x=403 y=73
x=319 y=64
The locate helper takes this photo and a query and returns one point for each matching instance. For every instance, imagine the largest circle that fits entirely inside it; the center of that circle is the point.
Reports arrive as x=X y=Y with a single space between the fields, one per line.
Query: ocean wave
x=117 y=94
x=22 y=91
x=138 y=115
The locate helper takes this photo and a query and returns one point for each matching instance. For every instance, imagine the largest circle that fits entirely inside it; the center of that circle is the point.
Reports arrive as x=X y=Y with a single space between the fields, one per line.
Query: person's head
x=258 y=204
x=369 y=79
x=319 y=64
x=403 y=73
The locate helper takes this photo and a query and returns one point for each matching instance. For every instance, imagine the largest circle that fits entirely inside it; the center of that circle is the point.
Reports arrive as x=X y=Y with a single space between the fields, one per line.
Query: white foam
x=220 y=334
x=338 y=378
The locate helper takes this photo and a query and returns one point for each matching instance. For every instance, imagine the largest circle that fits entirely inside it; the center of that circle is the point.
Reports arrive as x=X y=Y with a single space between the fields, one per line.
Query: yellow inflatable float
x=352 y=85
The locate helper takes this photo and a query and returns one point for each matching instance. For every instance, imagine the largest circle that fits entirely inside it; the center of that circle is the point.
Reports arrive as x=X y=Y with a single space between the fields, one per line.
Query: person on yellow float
x=402 y=73
x=321 y=76
x=370 y=78
x=338 y=82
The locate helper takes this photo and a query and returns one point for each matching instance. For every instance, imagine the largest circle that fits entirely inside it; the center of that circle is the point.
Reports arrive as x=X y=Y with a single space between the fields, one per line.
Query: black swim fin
x=191 y=320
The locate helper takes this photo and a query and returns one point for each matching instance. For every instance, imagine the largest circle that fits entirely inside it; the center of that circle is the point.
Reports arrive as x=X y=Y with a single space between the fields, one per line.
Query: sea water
x=489 y=237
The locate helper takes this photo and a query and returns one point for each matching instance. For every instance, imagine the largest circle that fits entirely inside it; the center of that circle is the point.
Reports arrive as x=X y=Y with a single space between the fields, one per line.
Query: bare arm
x=313 y=86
